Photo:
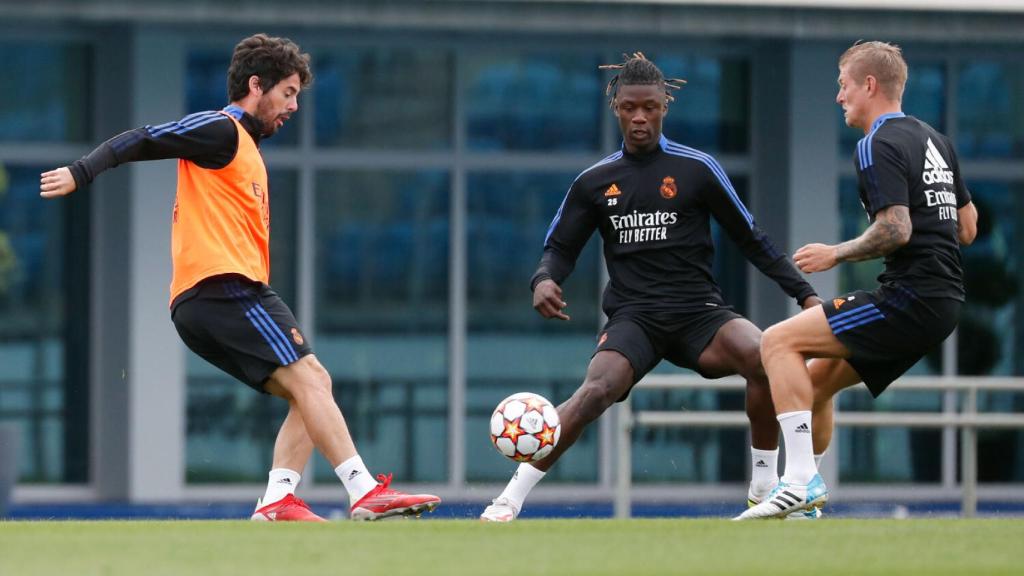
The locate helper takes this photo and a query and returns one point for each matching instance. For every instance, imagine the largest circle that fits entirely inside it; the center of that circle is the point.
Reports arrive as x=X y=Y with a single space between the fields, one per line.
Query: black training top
x=207 y=138
x=653 y=213
x=904 y=161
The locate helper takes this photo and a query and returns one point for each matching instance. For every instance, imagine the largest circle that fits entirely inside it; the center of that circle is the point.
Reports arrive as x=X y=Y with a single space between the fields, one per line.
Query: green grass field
x=527 y=548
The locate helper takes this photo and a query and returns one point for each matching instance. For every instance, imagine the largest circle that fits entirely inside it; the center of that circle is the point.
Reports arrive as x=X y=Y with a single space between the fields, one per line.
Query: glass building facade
x=410 y=198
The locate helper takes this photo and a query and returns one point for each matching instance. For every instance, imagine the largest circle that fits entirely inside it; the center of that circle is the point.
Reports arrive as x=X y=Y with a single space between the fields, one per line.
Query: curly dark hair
x=272 y=59
x=637 y=69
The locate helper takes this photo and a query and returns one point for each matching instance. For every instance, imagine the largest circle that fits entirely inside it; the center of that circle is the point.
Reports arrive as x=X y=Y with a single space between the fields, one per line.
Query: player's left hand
x=56 y=183
x=815 y=258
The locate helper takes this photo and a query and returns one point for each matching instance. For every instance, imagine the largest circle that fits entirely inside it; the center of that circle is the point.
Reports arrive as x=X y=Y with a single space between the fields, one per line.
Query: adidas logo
x=803 y=428
x=761 y=464
x=935 y=168
x=353 y=474
x=287 y=481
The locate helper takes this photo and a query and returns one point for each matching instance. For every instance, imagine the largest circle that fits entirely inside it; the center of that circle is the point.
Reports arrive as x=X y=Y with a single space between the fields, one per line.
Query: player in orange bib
x=221 y=301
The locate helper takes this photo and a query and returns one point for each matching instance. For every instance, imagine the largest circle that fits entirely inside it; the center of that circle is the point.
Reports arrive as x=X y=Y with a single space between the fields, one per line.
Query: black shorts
x=240 y=326
x=645 y=338
x=889 y=330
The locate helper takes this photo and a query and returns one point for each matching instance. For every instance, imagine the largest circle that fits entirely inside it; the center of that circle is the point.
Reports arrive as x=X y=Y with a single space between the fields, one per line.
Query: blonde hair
x=882 y=60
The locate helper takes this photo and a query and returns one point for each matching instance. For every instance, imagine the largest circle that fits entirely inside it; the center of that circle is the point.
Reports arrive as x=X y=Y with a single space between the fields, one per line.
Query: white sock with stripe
x=282 y=482
x=764 y=471
x=525 y=478
x=356 y=478
x=796 y=430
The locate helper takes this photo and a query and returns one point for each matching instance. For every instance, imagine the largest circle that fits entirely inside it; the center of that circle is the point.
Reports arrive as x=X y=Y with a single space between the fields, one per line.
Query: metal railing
x=967 y=420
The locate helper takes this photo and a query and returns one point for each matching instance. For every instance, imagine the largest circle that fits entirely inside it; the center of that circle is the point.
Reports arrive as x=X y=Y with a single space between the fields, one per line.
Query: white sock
x=356 y=478
x=796 y=430
x=525 y=478
x=764 y=471
x=817 y=459
x=282 y=483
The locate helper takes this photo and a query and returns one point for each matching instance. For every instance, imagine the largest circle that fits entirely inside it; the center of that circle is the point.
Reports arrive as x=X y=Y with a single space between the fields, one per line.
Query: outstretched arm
x=207 y=138
x=727 y=208
x=889 y=232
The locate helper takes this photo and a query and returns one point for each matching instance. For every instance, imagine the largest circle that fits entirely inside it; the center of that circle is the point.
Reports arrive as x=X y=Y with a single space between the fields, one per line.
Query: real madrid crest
x=668 y=188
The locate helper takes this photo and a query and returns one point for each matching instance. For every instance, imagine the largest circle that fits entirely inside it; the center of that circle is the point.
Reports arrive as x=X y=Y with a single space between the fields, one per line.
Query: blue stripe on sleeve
x=716 y=168
x=558 y=215
x=186 y=124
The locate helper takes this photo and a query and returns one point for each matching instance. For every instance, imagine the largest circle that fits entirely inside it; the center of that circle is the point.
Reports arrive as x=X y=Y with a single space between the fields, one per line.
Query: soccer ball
x=525 y=427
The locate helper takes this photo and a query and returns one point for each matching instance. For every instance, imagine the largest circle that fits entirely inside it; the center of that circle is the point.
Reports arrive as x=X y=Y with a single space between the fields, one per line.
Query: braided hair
x=636 y=69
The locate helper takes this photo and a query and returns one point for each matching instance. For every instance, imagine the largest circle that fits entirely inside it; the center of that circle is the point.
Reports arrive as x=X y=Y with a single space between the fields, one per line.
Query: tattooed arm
x=889 y=232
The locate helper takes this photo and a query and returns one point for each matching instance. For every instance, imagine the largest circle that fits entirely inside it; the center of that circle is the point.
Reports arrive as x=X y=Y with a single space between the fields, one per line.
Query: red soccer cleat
x=382 y=502
x=287 y=509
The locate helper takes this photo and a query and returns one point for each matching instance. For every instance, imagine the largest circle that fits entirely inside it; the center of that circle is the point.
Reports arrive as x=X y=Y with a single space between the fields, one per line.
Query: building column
x=139 y=372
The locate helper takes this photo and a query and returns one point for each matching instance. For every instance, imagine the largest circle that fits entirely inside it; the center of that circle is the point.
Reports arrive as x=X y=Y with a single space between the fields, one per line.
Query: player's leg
x=828 y=377
x=609 y=378
x=784 y=350
x=213 y=326
x=307 y=386
x=624 y=354
x=736 y=349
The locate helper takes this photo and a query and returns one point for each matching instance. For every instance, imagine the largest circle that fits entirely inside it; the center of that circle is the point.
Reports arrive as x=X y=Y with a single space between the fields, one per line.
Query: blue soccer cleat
x=789 y=499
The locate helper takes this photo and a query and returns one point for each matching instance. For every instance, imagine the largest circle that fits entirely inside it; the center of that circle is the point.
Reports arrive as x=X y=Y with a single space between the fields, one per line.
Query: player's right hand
x=547 y=300
x=56 y=183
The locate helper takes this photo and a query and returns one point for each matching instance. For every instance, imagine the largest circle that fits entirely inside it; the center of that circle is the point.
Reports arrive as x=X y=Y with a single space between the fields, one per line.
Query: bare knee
x=306 y=379
x=775 y=341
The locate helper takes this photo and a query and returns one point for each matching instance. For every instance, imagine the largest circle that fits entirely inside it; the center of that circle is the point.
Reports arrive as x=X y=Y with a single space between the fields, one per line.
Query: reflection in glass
x=711 y=112
x=230 y=428
x=510 y=348
x=33 y=374
x=384 y=98
x=382 y=314
x=990 y=104
x=206 y=88
x=48 y=96
x=534 y=102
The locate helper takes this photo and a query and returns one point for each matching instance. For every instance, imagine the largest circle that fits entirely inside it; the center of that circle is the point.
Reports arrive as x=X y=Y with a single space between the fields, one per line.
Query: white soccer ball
x=525 y=427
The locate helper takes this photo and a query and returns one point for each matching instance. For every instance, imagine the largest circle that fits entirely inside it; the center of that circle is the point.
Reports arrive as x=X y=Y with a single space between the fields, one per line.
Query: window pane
x=924 y=98
x=231 y=428
x=384 y=98
x=990 y=101
x=206 y=88
x=991 y=331
x=52 y=99
x=382 y=314
x=43 y=393
x=510 y=348
x=711 y=112
x=534 y=102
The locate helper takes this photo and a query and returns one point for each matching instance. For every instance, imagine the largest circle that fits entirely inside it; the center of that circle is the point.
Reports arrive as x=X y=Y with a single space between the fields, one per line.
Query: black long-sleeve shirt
x=653 y=213
x=208 y=138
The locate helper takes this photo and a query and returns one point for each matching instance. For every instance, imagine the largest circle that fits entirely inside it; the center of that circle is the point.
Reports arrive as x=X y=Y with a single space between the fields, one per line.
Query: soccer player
x=220 y=300
x=652 y=202
x=920 y=212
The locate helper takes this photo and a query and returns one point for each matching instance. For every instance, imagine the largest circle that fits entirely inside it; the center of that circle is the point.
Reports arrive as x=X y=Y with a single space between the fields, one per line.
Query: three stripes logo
x=935 y=168
x=761 y=464
x=803 y=428
x=853 y=318
x=785 y=500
